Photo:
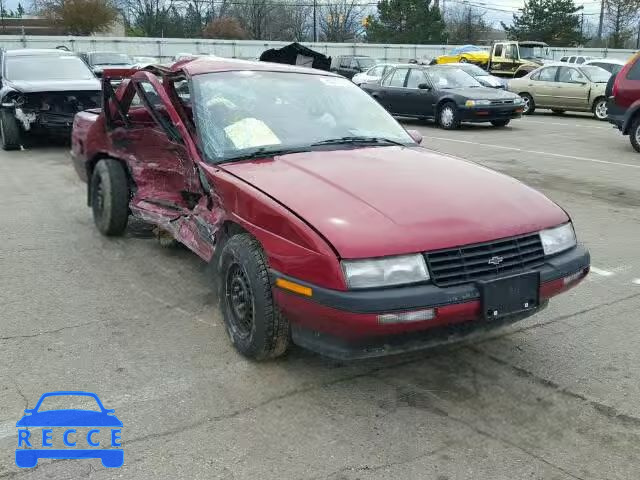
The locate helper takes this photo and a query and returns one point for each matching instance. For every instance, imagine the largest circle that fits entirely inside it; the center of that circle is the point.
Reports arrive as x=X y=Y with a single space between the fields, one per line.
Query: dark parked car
x=349 y=65
x=41 y=92
x=414 y=249
x=98 y=61
x=446 y=94
x=623 y=108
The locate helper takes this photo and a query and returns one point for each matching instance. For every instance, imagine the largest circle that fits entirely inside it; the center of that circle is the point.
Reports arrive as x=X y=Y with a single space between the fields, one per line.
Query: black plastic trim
x=428 y=295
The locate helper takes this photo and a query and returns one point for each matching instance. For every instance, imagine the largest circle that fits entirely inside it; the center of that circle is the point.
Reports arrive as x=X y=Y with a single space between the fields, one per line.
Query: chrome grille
x=501 y=102
x=482 y=261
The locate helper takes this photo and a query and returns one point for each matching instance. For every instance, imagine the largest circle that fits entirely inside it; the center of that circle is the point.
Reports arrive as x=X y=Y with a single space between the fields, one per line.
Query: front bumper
x=346 y=325
x=490 y=113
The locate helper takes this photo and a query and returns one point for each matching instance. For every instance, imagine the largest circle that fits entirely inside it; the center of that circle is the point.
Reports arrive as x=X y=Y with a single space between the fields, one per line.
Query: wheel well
x=441 y=103
x=601 y=97
x=91 y=165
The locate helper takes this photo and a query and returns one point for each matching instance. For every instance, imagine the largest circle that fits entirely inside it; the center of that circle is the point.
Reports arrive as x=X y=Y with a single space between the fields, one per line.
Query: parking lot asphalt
x=553 y=397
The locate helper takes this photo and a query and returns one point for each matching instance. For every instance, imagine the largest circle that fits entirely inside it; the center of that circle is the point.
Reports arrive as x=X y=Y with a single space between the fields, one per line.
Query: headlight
x=477 y=103
x=558 y=239
x=384 y=272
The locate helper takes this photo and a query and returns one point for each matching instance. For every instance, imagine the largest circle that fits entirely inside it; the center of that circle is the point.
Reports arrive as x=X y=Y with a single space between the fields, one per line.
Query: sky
x=503 y=10
x=497 y=10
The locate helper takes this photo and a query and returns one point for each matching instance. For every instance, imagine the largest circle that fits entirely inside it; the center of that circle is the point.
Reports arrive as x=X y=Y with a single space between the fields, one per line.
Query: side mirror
x=415 y=135
x=424 y=86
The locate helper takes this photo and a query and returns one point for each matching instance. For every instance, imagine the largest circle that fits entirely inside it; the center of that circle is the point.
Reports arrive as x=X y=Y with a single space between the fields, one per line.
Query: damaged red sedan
x=328 y=224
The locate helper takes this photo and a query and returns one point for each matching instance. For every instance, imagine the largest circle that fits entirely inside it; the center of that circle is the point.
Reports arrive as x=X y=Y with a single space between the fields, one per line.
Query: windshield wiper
x=263 y=152
x=358 y=140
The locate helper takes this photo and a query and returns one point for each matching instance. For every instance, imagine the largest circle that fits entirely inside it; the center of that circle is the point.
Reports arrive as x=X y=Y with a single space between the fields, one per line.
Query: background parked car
x=465 y=54
x=373 y=75
x=481 y=75
x=41 y=92
x=448 y=95
x=98 y=61
x=624 y=103
x=562 y=87
x=578 y=59
x=611 y=65
x=349 y=65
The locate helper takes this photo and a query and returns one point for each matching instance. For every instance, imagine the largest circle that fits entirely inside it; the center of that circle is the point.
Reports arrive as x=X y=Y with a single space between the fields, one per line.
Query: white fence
x=167 y=48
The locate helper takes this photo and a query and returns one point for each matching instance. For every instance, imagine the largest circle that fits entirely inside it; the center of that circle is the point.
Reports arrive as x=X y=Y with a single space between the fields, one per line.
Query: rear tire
x=500 y=123
x=253 y=321
x=529 y=105
x=448 y=116
x=634 y=134
x=110 y=197
x=9 y=131
x=600 y=109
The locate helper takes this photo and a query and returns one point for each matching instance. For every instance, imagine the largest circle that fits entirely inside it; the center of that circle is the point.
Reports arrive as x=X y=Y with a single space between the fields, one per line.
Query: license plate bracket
x=510 y=295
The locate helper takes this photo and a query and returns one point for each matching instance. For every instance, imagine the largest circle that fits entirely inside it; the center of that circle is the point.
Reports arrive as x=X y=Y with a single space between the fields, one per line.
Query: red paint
x=307 y=210
x=351 y=325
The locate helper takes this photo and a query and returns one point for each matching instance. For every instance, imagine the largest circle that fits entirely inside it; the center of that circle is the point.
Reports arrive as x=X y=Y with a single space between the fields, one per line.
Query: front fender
x=292 y=246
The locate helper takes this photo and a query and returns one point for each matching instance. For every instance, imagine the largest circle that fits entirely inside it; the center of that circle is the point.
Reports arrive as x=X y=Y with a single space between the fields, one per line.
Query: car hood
x=55 y=85
x=490 y=81
x=379 y=201
x=483 y=93
x=69 y=418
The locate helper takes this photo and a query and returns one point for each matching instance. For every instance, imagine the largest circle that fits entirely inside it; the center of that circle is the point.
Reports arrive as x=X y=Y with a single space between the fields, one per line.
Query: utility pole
x=315 y=31
x=638 y=39
x=601 y=19
x=581 y=27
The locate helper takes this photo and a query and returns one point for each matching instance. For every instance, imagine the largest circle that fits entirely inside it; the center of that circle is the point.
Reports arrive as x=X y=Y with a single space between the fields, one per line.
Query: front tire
x=634 y=134
x=600 y=109
x=110 y=197
x=500 y=123
x=253 y=321
x=448 y=116
x=9 y=131
x=529 y=105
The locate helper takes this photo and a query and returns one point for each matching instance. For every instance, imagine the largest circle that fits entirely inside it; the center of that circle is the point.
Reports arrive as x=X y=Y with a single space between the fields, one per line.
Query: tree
x=466 y=24
x=621 y=18
x=254 y=16
x=290 y=21
x=149 y=17
x=406 y=21
x=72 y=15
x=340 y=21
x=556 y=22
x=226 y=28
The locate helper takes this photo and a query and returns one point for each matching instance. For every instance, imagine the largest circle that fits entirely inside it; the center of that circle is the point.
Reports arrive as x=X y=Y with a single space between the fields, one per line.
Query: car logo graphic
x=495 y=260
x=67 y=419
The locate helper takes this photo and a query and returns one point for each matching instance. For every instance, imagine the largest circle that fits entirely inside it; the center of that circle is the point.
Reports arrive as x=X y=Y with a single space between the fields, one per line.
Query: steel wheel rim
x=638 y=135
x=446 y=117
x=601 y=109
x=239 y=300
x=527 y=103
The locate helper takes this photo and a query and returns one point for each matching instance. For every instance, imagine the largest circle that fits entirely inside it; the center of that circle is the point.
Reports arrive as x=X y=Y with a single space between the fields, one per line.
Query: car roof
x=202 y=65
x=613 y=61
x=24 y=52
